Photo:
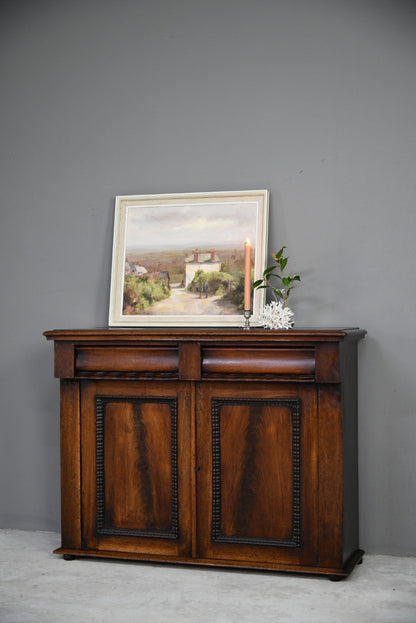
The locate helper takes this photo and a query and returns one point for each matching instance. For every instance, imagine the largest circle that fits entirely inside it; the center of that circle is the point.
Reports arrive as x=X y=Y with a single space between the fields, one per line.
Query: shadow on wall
x=32 y=432
x=387 y=484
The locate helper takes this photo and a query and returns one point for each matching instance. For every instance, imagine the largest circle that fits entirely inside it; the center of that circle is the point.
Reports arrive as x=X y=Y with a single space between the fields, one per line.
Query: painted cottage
x=207 y=261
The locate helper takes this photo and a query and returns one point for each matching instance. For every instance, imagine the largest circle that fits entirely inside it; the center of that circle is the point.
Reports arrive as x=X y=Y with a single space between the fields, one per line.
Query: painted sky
x=191 y=225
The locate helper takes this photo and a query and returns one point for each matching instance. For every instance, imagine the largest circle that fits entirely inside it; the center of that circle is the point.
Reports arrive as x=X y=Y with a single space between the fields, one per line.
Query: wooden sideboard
x=210 y=446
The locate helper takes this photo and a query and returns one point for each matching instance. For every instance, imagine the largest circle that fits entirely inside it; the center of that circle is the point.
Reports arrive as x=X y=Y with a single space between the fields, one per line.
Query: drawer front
x=126 y=359
x=258 y=362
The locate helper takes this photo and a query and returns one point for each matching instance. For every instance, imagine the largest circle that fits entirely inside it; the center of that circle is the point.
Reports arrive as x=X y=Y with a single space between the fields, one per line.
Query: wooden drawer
x=89 y=359
x=257 y=362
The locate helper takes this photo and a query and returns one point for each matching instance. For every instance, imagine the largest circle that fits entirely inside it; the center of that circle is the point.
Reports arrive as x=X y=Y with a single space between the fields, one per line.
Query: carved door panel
x=136 y=467
x=257 y=472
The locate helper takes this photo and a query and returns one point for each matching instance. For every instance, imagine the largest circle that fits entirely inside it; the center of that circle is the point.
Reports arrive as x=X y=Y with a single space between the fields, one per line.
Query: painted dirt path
x=183 y=302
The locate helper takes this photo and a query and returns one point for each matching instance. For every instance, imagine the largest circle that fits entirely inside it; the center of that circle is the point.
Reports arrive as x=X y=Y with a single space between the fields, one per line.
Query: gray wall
x=314 y=100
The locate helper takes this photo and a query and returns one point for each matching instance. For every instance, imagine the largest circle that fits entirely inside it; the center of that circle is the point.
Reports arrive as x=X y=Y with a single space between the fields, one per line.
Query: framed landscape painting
x=179 y=259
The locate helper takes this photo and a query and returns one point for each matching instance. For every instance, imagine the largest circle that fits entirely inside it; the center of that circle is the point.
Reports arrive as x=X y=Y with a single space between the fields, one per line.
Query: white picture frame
x=161 y=242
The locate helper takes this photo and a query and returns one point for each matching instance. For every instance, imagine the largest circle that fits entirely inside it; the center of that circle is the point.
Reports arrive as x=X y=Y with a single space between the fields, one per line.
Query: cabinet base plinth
x=332 y=573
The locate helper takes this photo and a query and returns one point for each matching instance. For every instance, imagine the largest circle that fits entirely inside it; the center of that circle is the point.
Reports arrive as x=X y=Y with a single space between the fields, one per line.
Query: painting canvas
x=179 y=259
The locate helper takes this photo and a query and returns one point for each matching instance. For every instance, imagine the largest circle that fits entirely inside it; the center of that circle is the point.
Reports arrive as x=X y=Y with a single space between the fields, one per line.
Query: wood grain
x=256 y=470
x=138 y=452
x=136 y=467
x=266 y=507
x=243 y=360
x=70 y=464
x=130 y=359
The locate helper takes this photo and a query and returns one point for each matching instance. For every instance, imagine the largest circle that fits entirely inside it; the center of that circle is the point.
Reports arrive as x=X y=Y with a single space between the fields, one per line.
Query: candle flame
x=248 y=241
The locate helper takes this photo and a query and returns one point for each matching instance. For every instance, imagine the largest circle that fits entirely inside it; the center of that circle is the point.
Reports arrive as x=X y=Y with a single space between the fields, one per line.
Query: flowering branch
x=287 y=282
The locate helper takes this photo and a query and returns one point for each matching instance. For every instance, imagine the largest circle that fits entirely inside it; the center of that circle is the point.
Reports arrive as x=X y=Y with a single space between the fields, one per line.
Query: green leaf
x=268 y=273
x=279 y=254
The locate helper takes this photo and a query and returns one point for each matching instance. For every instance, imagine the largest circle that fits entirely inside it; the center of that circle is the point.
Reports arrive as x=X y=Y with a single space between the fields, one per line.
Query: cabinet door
x=257 y=473
x=136 y=455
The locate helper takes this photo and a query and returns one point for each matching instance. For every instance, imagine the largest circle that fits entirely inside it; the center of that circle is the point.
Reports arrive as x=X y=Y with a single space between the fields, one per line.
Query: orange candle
x=247 y=275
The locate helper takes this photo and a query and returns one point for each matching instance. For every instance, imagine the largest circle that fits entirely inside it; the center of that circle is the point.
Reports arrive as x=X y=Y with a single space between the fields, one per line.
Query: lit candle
x=247 y=275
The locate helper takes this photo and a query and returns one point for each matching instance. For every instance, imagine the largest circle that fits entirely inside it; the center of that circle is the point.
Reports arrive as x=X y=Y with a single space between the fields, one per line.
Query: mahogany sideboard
x=210 y=446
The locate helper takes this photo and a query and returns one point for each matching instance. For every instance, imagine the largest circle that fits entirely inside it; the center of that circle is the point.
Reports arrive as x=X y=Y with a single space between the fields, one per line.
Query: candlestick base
x=247 y=314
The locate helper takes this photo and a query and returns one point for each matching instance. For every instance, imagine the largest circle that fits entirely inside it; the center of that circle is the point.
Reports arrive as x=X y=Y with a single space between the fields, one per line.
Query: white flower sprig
x=276 y=316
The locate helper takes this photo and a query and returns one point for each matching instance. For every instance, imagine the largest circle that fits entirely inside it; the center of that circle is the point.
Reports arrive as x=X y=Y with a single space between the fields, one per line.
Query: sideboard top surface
x=205 y=334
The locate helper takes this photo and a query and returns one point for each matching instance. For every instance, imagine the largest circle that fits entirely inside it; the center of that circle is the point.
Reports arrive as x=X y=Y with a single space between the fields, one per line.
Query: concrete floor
x=38 y=586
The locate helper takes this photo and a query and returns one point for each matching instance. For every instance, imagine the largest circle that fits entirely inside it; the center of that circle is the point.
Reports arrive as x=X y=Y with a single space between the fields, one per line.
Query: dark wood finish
x=327 y=363
x=190 y=361
x=64 y=360
x=136 y=464
x=70 y=464
x=257 y=482
x=330 y=477
x=211 y=446
x=130 y=359
x=257 y=362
